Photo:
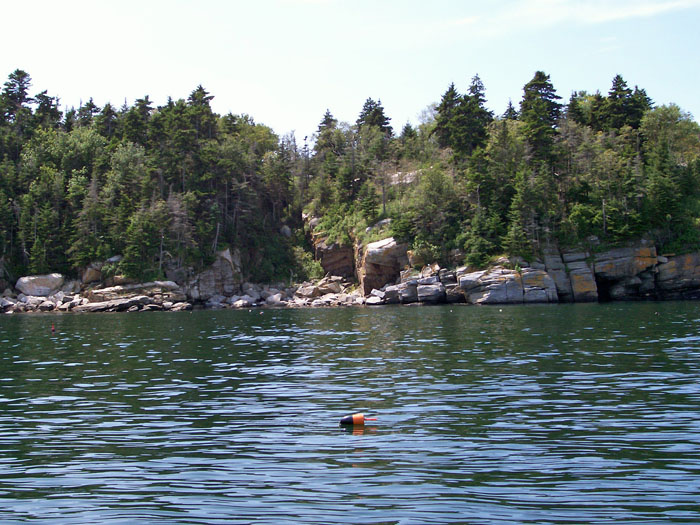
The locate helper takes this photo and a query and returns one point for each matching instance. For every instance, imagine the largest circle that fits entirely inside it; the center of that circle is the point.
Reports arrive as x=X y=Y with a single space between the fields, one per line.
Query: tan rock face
x=336 y=259
x=583 y=286
x=381 y=263
x=91 y=275
x=621 y=263
x=680 y=272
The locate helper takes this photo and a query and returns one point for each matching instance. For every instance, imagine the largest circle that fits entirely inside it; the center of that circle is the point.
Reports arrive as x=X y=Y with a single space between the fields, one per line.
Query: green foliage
x=305 y=266
x=167 y=187
x=425 y=251
x=338 y=223
x=368 y=202
x=372 y=115
x=462 y=121
x=539 y=111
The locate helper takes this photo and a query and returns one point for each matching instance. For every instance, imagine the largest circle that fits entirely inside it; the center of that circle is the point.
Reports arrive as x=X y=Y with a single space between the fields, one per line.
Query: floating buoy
x=53 y=329
x=356 y=419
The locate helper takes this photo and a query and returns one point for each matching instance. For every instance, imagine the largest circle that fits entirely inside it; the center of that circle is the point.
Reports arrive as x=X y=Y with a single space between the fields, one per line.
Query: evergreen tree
x=86 y=112
x=446 y=117
x=539 y=111
x=106 y=121
x=462 y=121
x=637 y=107
x=471 y=120
x=15 y=98
x=328 y=122
x=511 y=113
x=372 y=114
x=135 y=121
x=16 y=113
x=201 y=114
x=47 y=114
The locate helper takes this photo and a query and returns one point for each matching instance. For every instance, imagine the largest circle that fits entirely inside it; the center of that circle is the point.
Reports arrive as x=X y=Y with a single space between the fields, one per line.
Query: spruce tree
x=372 y=114
x=445 y=119
x=539 y=111
x=511 y=113
x=616 y=105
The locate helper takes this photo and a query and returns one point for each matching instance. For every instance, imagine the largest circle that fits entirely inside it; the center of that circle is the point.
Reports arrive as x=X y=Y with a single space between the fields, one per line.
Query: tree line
x=167 y=187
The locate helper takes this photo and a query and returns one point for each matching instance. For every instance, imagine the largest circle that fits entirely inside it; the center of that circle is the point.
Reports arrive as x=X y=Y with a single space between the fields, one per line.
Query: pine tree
x=472 y=120
x=445 y=119
x=106 y=121
x=615 y=108
x=86 y=112
x=539 y=111
x=511 y=113
x=638 y=105
x=462 y=121
x=372 y=114
x=328 y=122
x=47 y=114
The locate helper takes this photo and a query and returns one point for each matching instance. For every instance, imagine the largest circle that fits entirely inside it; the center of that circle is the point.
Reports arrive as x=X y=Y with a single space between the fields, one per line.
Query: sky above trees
x=285 y=62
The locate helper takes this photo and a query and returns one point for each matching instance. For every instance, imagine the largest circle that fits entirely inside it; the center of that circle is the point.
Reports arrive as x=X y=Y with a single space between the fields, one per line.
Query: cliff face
x=619 y=273
x=379 y=263
x=678 y=277
x=633 y=272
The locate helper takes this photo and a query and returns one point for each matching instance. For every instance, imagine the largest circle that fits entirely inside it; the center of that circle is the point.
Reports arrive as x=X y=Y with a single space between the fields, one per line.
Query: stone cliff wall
x=632 y=272
x=379 y=263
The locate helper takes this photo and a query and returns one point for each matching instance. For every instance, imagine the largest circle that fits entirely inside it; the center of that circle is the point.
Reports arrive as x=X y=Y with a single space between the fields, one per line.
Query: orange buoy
x=356 y=419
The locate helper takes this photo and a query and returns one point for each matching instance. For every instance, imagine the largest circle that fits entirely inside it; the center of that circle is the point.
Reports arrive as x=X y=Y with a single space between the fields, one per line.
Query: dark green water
x=546 y=414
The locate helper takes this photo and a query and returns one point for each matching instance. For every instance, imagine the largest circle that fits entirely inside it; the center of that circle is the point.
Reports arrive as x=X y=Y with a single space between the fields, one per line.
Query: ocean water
x=584 y=413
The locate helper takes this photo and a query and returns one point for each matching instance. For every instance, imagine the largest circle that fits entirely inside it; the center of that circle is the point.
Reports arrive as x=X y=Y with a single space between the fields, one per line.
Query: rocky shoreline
x=383 y=274
x=50 y=293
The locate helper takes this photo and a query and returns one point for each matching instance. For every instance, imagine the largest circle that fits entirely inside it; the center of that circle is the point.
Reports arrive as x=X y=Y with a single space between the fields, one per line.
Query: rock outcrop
x=160 y=290
x=623 y=273
x=584 y=287
x=40 y=285
x=92 y=274
x=335 y=258
x=380 y=264
x=678 y=277
x=223 y=277
x=505 y=286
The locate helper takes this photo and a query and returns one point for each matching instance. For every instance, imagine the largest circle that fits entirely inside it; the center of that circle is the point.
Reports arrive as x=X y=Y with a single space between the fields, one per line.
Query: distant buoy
x=356 y=419
x=53 y=329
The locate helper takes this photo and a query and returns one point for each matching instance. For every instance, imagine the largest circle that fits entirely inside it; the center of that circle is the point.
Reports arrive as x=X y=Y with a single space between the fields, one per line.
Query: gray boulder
x=502 y=286
x=40 y=285
x=556 y=269
x=114 y=305
x=223 y=277
x=431 y=293
x=275 y=300
x=392 y=294
x=454 y=294
x=408 y=292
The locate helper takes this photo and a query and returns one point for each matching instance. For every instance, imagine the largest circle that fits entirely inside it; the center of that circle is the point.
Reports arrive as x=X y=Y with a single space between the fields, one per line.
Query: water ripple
x=547 y=414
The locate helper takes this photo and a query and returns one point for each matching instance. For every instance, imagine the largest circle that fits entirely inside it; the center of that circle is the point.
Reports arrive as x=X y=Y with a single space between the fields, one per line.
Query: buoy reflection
x=359 y=430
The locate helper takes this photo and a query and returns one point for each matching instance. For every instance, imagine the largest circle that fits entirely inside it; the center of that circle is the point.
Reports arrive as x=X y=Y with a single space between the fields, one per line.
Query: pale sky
x=285 y=61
